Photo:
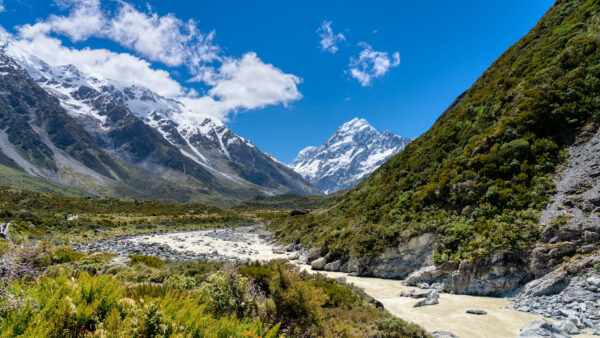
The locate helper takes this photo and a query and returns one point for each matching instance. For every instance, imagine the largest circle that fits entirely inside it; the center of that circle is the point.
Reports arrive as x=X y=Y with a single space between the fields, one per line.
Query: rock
x=278 y=251
x=425 y=274
x=594 y=280
x=432 y=299
x=541 y=328
x=443 y=334
x=409 y=256
x=333 y=266
x=318 y=264
x=551 y=283
x=119 y=261
x=494 y=275
x=476 y=311
x=312 y=255
x=294 y=257
x=341 y=279
x=568 y=326
x=419 y=293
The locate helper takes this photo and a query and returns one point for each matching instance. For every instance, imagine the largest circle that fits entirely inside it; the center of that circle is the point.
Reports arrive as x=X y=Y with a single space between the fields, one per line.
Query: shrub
x=150 y=261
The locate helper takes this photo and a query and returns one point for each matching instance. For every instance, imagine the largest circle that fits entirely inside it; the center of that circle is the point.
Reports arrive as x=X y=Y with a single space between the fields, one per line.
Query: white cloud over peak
x=246 y=83
x=329 y=39
x=371 y=64
x=234 y=84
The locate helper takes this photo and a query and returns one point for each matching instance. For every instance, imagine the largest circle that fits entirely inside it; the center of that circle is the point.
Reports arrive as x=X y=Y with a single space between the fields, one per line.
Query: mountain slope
x=479 y=178
x=161 y=135
x=39 y=137
x=352 y=153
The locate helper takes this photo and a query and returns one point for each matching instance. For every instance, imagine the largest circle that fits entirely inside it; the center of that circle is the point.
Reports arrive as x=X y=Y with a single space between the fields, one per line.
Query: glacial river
x=448 y=315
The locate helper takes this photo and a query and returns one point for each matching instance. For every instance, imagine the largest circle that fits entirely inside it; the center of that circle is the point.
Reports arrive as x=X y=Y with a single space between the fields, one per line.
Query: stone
x=294 y=257
x=318 y=264
x=333 y=266
x=443 y=334
x=432 y=299
x=425 y=274
x=551 y=283
x=568 y=326
x=476 y=311
x=312 y=255
x=541 y=328
x=594 y=280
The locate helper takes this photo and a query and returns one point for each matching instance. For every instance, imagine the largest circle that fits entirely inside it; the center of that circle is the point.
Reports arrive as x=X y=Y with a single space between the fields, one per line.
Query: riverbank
x=252 y=243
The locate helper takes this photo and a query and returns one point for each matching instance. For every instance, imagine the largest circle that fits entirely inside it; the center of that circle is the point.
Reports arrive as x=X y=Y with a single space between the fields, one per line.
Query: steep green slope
x=482 y=173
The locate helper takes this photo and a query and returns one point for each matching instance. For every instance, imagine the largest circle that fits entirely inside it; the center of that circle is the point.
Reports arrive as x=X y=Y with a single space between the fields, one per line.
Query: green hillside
x=482 y=173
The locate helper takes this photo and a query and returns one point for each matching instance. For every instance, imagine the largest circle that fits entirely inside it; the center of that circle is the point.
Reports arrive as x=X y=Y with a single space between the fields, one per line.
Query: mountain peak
x=355 y=125
x=353 y=152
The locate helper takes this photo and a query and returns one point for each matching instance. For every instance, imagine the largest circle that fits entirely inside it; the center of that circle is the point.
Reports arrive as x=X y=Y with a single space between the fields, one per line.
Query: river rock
x=418 y=293
x=443 y=334
x=476 y=311
x=432 y=299
x=541 y=328
x=594 y=280
x=318 y=264
x=568 y=326
x=425 y=274
x=333 y=266
x=552 y=283
x=312 y=255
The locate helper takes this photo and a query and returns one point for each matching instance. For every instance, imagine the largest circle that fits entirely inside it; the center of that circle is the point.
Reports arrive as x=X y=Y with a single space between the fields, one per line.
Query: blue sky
x=443 y=47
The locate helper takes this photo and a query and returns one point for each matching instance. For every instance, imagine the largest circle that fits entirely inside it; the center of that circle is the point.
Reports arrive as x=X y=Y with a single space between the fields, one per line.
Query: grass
x=71 y=298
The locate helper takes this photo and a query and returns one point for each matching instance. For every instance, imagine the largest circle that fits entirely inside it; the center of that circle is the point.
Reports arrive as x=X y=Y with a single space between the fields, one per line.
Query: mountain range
x=108 y=137
x=352 y=153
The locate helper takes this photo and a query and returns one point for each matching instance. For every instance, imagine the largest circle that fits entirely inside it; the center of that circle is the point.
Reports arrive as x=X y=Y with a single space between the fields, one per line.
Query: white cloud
x=234 y=84
x=329 y=40
x=246 y=83
x=165 y=39
x=372 y=64
x=2 y=9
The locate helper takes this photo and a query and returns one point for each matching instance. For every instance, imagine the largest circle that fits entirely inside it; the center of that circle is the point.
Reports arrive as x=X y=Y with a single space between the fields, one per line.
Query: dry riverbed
x=252 y=243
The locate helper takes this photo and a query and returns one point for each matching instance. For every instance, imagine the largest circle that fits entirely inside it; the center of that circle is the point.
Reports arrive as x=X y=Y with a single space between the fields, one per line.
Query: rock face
x=571 y=221
x=399 y=262
x=352 y=153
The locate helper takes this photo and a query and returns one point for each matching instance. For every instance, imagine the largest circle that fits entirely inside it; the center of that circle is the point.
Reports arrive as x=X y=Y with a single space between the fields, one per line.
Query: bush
x=150 y=261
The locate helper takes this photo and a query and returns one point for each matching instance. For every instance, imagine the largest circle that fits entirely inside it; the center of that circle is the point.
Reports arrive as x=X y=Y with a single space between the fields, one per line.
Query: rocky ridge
x=352 y=153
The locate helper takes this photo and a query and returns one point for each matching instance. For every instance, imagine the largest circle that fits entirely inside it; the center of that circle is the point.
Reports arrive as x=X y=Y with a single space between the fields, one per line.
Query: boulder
x=425 y=274
x=443 y=334
x=568 y=326
x=552 y=283
x=432 y=299
x=333 y=266
x=476 y=311
x=541 y=328
x=594 y=280
x=318 y=264
x=312 y=255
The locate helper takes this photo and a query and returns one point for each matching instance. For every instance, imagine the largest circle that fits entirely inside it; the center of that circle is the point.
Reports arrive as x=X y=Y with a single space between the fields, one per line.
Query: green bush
x=150 y=261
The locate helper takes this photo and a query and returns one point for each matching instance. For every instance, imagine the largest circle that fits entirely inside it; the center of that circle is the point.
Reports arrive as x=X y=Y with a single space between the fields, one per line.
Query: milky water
x=250 y=243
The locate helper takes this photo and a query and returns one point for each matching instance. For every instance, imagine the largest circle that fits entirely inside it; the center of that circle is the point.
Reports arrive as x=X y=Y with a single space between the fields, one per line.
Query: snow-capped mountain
x=160 y=135
x=352 y=153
